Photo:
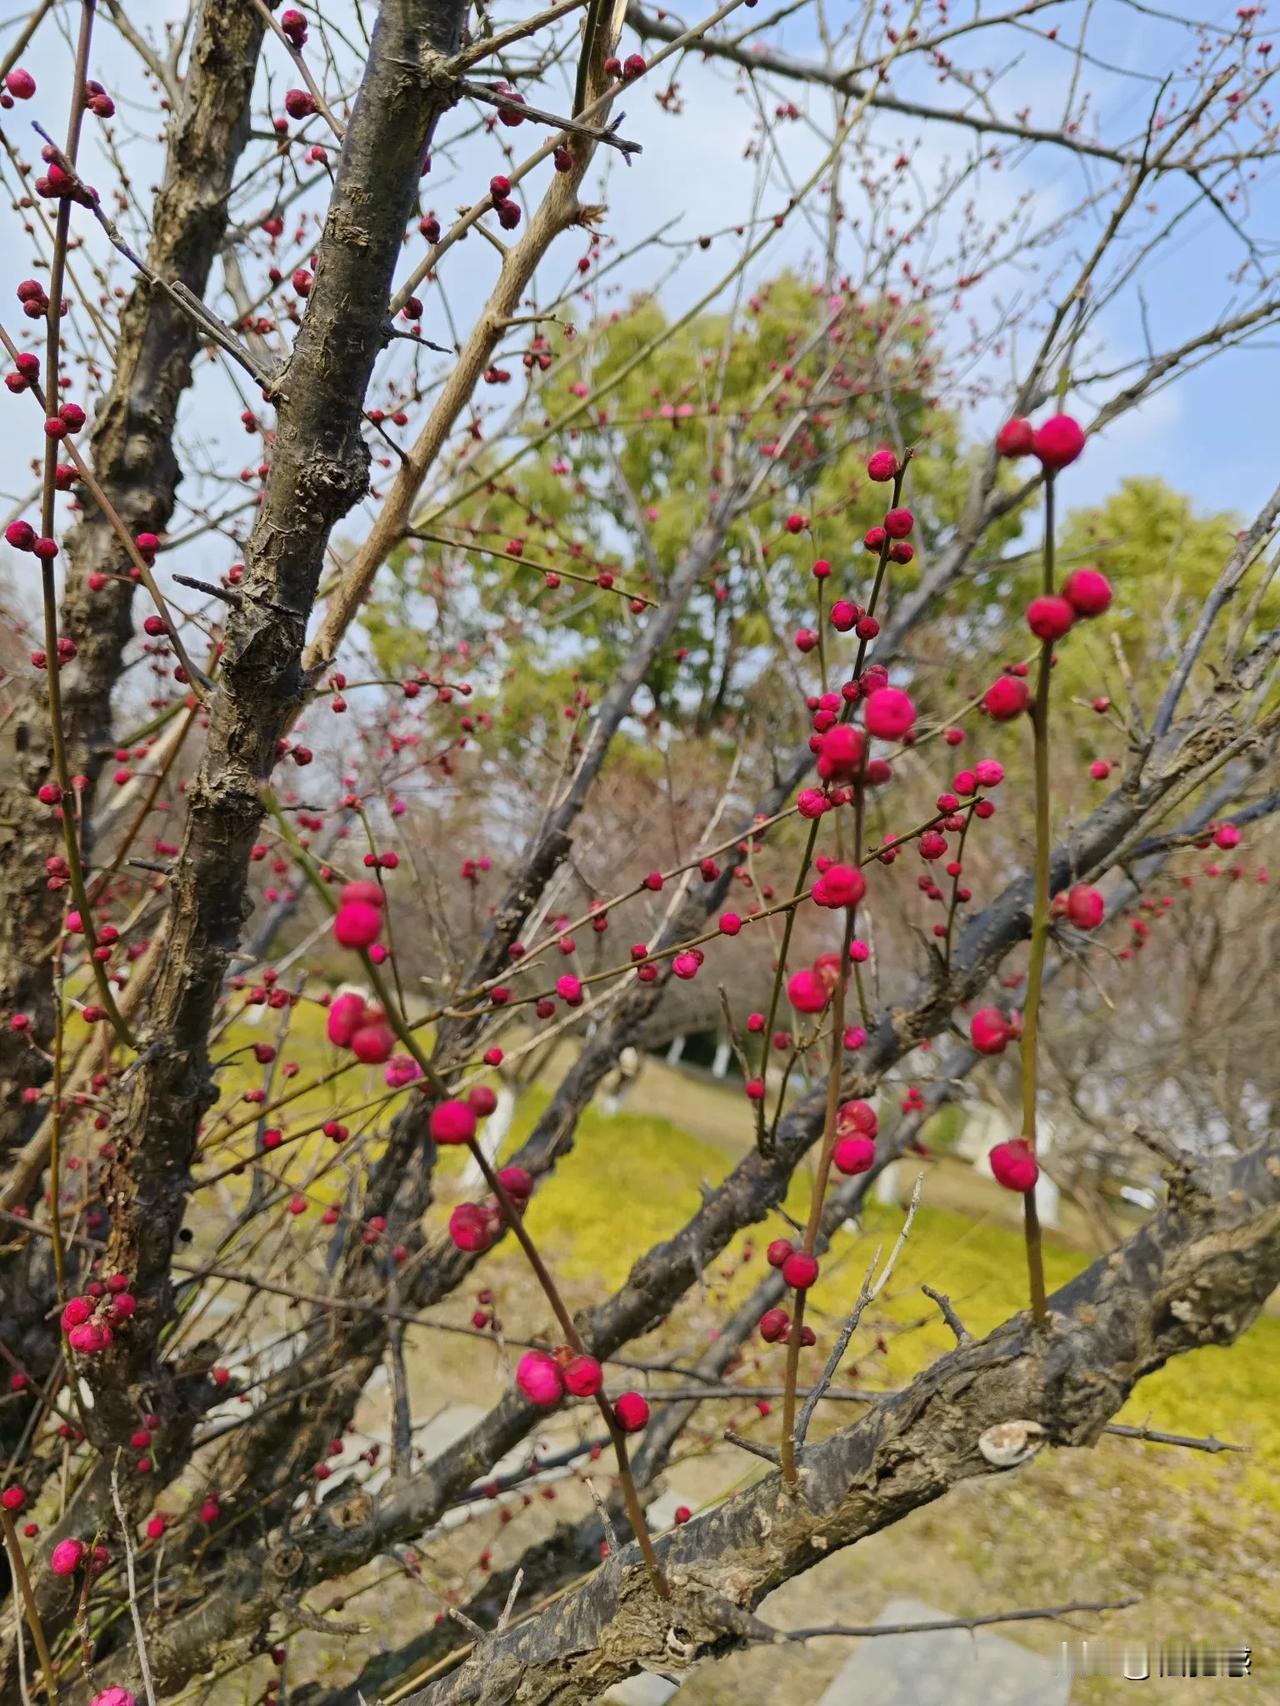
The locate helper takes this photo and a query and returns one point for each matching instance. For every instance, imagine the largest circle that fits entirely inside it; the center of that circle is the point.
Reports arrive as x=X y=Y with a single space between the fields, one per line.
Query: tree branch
x=1187 y=1279
x=318 y=470
x=135 y=464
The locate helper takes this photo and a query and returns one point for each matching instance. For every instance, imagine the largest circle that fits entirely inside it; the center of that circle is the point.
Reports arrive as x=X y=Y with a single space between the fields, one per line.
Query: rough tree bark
x=1198 y=1273
x=135 y=463
x=240 y=1607
x=319 y=470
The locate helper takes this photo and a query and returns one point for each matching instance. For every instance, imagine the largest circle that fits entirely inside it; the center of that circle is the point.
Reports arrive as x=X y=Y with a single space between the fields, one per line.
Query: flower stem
x=630 y=1493
x=838 y=1003
x=19 y=1565
x=814 y=1225
x=790 y=1380
x=48 y=582
x=776 y=991
x=1039 y=928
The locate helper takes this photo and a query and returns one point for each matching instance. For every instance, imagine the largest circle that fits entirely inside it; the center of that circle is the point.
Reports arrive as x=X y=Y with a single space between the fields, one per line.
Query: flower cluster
x=545 y=1378
x=91 y=1320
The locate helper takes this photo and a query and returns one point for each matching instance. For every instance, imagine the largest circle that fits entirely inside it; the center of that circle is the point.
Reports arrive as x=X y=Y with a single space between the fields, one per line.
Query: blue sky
x=1211 y=435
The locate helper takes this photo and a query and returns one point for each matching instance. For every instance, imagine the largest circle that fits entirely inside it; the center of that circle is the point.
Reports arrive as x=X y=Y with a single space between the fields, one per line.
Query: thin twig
x=513 y=1594
x=573 y=126
x=19 y=1567
x=304 y=70
x=755 y=1447
x=606 y=1521
x=178 y=293
x=523 y=562
x=860 y=1631
x=957 y=1326
x=140 y=1640
x=1153 y=1436
x=487 y=45
x=228 y=595
x=871 y=1289
x=318 y=1623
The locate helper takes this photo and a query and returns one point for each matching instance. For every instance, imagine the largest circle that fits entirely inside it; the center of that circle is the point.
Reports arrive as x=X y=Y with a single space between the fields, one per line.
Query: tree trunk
x=135 y=464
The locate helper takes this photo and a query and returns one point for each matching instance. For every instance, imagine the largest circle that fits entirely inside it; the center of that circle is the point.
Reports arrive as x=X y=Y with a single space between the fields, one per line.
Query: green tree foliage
x=1162 y=557
x=1145 y=536
x=627 y=487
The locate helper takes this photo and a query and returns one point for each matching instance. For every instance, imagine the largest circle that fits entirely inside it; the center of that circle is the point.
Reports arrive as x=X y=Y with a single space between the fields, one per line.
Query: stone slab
x=952 y=1668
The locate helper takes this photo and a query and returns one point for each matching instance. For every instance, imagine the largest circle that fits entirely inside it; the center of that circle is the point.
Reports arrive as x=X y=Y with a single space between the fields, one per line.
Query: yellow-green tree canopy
x=627 y=486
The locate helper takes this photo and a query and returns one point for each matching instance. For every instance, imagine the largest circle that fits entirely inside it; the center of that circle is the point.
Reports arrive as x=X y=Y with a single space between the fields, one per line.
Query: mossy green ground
x=1193 y=1537
x=632 y=1178
x=1196 y=1538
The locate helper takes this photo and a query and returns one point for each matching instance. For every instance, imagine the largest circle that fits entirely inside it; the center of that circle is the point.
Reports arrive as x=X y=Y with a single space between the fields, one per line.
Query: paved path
x=954 y=1668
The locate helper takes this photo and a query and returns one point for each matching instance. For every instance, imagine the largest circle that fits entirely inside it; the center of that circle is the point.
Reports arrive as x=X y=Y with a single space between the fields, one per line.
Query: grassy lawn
x=632 y=1179
x=1194 y=1537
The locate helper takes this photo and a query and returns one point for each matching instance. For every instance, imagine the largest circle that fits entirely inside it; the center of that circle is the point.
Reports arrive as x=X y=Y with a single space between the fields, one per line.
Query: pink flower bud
x=1015 y=438
x=67 y=1557
x=471 y=1228
x=517 y=1182
x=1006 y=698
x=840 y=752
x=356 y=924
x=583 y=1377
x=1050 y=617
x=364 y=893
x=374 y=1044
x=857 y=1117
x=806 y=992
x=773 y=1325
x=631 y=1412
x=1087 y=591
x=853 y=1154
x=346 y=1014
x=539 y=1379
x=889 y=713
x=452 y=1122
x=989 y=1031
x=800 y=1270
x=1058 y=442
x=1085 y=907
x=840 y=885
x=1014 y=1165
